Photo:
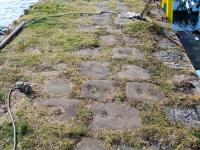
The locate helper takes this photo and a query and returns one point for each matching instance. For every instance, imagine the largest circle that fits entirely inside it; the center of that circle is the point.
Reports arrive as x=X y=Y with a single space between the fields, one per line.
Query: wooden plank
x=11 y=35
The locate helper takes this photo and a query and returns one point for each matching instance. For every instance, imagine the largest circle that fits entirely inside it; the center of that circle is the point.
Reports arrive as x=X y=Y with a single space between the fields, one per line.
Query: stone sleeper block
x=99 y=90
x=67 y=108
x=144 y=91
x=95 y=69
x=114 y=116
x=133 y=73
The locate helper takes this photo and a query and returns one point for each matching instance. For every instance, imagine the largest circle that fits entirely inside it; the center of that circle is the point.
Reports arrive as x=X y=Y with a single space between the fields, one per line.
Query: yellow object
x=163 y=3
x=169 y=9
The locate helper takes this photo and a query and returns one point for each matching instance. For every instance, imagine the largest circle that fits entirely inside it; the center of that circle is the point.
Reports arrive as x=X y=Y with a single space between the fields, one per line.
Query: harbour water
x=11 y=10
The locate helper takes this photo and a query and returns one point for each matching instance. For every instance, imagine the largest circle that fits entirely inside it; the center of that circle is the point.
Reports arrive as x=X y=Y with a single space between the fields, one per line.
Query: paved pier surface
x=101 y=82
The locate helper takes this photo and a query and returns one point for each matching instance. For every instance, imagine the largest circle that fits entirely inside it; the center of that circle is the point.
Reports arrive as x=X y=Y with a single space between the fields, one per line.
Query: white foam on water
x=198 y=73
x=11 y=10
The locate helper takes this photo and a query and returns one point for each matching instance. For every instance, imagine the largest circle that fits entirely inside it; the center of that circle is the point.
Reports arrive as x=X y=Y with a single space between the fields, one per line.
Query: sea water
x=11 y=10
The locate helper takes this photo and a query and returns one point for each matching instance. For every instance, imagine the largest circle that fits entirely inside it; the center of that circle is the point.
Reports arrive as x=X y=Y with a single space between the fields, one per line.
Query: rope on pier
x=68 y=14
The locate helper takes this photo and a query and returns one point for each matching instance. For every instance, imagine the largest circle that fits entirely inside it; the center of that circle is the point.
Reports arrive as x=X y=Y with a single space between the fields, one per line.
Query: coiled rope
x=25 y=88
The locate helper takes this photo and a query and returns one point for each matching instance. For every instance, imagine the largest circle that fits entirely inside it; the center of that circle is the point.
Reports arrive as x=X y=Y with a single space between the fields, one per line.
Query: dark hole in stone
x=185 y=87
x=139 y=91
x=104 y=113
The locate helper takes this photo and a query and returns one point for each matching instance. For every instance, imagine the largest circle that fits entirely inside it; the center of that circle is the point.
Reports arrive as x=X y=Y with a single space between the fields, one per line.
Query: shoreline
x=12 y=25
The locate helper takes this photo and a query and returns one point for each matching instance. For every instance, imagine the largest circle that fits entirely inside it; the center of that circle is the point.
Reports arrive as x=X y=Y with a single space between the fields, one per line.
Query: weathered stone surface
x=3 y=109
x=108 y=40
x=99 y=90
x=166 y=44
x=154 y=12
x=42 y=68
x=186 y=84
x=144 y=91
x=133 y=73
x=46 y=75
x=113 y=30
x=32 y=50
x=174 y=59
x=57 y=88
x=122 y=9
x=2 y=38
x=60 y=67
x=124 y=147
x=120 y=22
x=187 y=116
x=101 y=20
x=89 y=144
x=128 y=41
x=88 y=52
x=114 y=116
x=122 y=53
x=63 y=109
x=89 y=28
x=102 y=6
x=95 y=69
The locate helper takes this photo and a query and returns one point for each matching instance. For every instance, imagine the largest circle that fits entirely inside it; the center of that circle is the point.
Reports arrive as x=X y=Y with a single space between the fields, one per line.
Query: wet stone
x=133 y=73
x=64 y=109
x=144 y=91
x=95 y=69
x=186 y=84
x=187 y=116
x=57 y=88
x=108 y=40
x=89 y=144
x=114 y=116
x=122 y=53
x=99 y=90
x=88 y=52
x=174 y=59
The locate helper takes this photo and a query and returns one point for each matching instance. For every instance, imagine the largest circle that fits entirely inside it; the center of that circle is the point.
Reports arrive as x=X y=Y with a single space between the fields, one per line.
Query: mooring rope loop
x=11 y=117
x=25 y=88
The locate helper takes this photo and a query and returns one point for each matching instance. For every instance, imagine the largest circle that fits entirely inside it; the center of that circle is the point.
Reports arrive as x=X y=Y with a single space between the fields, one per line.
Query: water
x=186 y=24
x=11 y=10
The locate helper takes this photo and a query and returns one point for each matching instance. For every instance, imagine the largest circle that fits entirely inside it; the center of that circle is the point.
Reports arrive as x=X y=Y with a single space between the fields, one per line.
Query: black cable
x=66 y=14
